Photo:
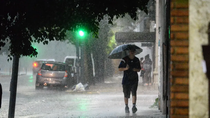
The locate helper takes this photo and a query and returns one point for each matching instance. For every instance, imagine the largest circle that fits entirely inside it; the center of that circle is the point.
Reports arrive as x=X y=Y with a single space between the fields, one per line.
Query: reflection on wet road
x=56 y=103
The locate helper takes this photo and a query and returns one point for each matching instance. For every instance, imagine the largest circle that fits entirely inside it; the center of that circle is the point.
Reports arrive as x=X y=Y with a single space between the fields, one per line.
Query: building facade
x=188 y=82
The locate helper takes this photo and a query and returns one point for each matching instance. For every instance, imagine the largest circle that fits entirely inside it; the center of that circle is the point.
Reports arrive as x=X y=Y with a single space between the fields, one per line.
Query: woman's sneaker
x=127 y=110
x=134 y=109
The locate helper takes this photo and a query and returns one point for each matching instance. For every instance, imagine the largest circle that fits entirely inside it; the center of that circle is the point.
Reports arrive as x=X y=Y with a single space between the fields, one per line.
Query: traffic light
x=81 y=33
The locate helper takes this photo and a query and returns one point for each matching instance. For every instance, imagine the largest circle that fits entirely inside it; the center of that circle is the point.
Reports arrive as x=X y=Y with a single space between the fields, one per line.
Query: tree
x=48 y=20
x=100 y=48
x=4 y=50
x=89 y=46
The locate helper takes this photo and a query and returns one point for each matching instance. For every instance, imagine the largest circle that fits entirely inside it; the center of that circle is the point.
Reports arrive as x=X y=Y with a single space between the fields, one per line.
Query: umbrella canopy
x=123 y=50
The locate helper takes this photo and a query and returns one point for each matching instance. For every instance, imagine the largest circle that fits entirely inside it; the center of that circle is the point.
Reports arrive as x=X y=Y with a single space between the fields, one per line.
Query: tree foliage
x=26 y=21
x=4 y=50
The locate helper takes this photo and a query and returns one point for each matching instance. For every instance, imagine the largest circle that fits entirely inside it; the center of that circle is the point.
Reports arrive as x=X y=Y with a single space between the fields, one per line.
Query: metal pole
x=77 y=61
x=82 y=64
x=13 y=87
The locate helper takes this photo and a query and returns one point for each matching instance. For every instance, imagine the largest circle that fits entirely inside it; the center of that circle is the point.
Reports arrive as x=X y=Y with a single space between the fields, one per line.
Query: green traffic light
x=81 y=33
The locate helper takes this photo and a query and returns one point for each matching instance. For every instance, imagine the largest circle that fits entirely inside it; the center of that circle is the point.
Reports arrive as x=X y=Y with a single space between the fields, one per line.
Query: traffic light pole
x=77 y=62
x=82 y=36
x=82 y=64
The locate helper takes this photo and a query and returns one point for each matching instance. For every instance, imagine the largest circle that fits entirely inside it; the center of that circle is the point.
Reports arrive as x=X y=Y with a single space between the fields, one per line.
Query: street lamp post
x=82 y=36
x=82 y=64
x=77 y=60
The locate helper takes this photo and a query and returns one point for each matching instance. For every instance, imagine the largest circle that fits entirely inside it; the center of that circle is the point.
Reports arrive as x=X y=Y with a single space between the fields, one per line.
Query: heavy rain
x=74 y=78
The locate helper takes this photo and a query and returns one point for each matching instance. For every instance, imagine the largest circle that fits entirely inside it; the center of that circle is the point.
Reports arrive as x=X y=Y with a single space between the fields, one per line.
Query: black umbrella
x=123 y=50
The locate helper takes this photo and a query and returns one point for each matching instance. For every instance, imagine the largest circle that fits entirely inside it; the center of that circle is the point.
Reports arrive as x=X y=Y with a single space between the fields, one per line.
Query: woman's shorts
x=127 y=89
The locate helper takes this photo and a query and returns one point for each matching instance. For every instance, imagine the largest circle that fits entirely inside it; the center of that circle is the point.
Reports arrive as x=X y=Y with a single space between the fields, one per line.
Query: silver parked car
x=55 y=74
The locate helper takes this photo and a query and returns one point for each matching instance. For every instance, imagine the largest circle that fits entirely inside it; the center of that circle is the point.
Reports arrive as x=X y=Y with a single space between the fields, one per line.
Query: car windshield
x=53 y=67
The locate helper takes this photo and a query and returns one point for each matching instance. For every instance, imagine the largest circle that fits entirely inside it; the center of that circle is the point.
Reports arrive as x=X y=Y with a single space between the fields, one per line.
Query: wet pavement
x=100 y=101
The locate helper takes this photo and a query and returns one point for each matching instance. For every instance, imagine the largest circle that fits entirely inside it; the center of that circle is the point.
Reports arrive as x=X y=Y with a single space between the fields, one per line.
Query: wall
x=179 y=97
x=199 y=19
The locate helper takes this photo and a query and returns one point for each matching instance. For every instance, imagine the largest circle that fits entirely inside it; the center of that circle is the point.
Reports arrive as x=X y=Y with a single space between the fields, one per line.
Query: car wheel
x=63 y=87
x=38 y=86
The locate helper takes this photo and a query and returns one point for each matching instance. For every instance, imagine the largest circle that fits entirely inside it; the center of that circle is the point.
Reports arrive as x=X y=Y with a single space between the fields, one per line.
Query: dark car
x=55 y=74
x=38 y=63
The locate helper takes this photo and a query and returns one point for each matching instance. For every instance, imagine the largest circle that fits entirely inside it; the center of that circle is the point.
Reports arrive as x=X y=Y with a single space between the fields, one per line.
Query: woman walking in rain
x=130 y=65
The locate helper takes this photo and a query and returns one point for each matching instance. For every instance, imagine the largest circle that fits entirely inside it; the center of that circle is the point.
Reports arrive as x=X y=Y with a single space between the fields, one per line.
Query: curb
x=82 y=92
x=4 y=75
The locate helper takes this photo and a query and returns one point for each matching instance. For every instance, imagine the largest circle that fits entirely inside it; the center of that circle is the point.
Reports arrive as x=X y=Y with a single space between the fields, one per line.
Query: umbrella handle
x=125 y=53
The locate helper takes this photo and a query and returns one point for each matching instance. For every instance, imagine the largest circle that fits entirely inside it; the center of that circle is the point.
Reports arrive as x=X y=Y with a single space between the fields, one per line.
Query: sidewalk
x=113 y=91
x=7 y=74
x=4 y=74
x=115 y=87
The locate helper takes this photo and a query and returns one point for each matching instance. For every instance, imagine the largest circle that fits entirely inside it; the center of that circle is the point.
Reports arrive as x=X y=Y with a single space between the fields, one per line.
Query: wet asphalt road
x=105 y=102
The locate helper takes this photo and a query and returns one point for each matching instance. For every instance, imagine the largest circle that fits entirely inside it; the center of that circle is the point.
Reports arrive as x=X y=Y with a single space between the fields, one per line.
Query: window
x=53 y=67
x=70 y=62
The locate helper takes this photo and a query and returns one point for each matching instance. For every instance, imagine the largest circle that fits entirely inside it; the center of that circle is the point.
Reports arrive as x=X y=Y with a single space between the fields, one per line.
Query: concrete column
x=199 y=17
x=155 y=73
